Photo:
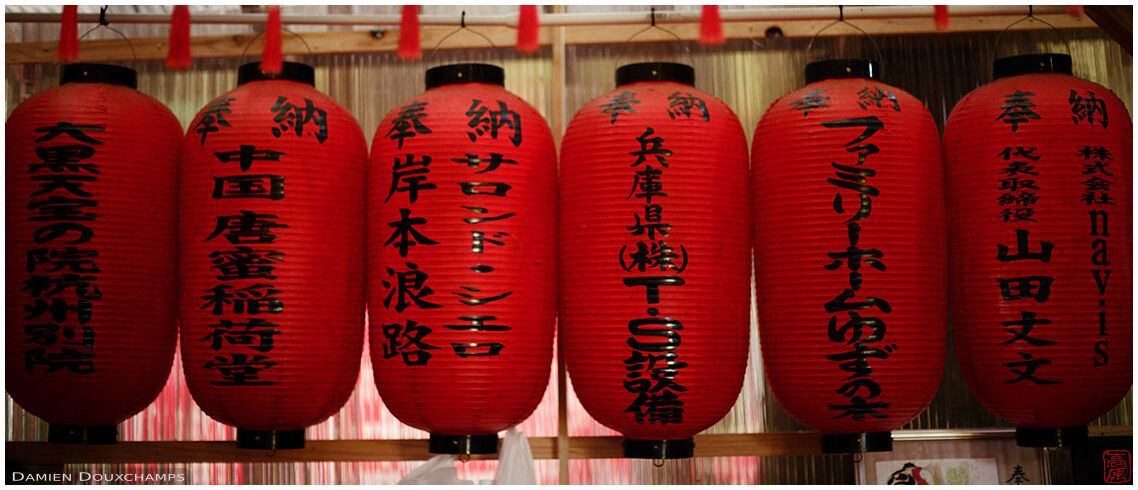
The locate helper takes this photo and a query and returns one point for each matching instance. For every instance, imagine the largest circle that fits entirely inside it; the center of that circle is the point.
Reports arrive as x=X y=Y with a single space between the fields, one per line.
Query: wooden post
x=558 y=125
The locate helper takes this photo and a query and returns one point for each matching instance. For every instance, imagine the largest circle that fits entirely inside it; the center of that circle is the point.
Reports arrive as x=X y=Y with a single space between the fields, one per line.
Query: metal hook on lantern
x=652 y=25
x=842 y=20
x=461 y=26
x=1030 y=16
x=241 y=60
x=104 y=23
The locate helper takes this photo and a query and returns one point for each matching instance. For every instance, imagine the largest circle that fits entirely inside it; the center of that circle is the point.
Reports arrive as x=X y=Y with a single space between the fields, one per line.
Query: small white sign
x=938 y=472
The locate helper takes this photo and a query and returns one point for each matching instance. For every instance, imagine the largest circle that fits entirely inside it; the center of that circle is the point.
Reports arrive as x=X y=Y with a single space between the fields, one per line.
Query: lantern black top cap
x=843 y=68
x=99 y=73
x=1026 y=64
x=465 y=73
x=655 y=72
x=293 y=72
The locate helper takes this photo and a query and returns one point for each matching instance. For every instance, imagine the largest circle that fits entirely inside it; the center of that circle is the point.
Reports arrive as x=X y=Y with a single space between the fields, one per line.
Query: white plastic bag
x=515 y=460
x=438 y=470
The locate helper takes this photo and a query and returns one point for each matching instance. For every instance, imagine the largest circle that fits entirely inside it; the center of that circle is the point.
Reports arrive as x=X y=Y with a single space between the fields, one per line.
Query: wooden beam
x=383 y=450
x=706 y=445
x=1117 y=21
x=338 y=42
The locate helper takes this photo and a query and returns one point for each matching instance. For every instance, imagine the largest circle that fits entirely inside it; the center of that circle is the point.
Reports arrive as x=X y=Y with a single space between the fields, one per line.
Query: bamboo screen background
x=748 y=75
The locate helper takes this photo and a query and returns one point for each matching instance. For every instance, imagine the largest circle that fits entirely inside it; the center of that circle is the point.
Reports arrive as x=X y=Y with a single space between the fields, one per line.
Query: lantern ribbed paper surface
x=91 y=215
x=655 y=243
x=1039 y=178
x=850 y=254
x=461 y=264
x=272 y=191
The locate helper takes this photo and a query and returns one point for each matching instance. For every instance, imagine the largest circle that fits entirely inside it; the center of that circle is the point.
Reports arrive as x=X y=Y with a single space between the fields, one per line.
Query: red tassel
x=940 y=15
x=527 y=29
x=69 y=34
x=178 y=57
x=271 y=59
x=409 y=34
x=710 y=27
x=1075 y=11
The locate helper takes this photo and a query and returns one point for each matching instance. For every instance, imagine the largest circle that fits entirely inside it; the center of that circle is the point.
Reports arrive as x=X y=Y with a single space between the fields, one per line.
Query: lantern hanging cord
x=461 y=26
x=652 y=25
x=262 y=33
x=1030 y=16
x=106 y=24
x=842 y=20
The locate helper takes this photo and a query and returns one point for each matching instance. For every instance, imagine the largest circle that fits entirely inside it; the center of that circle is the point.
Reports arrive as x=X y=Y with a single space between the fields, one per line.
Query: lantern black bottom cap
x=658 y=449
x=82 y=434
x=479 y=444
x=270 y=439
x=1051 y=437
x=861 y=442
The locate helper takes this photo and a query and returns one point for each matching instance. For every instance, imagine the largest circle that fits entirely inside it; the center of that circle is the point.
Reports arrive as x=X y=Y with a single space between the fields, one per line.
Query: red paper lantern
x=850 y=255
x=91 y=197
x=1039 y=178
x=272 y=256
x=461 y=264
x=655 y=245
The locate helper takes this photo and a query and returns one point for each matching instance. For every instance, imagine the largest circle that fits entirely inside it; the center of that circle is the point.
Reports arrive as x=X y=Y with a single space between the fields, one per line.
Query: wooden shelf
x=707 y=445
x=383 y=450
x=387 y=40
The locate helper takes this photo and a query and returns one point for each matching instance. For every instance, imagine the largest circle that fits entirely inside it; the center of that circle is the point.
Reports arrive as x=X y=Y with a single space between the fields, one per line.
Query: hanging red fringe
x=1075 y=11
x=409 y=34
x=178 y=57
x=710 y=26
x=69 y=34
x=271 y=59
x=527 y=29
x=940 y=15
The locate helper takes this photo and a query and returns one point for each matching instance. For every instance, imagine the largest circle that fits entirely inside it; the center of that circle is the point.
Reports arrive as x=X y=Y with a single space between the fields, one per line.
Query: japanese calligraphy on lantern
x=1018 y=194
x=245 y=299
x=409 y=289
x=410 y=174
x=486 y=241
x=1099 y=178
x=653 y=364
x=620 y=104
x=58 y=337
x=853 y=324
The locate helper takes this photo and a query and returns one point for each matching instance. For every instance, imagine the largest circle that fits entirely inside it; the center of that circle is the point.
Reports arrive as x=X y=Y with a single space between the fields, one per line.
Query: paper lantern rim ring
x=843 y=68
x=293 y=72
x=82 y=434
x=655 y=72
x=465 y=73
x=658 y=448
x=859 y=442
x=1051 y=437
x=270 y=439
x=1026 y=64
x=463 y=444
x=98 y=73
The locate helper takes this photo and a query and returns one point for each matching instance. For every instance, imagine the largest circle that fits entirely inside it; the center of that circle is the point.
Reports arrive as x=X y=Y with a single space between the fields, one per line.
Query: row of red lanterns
x=653 y=254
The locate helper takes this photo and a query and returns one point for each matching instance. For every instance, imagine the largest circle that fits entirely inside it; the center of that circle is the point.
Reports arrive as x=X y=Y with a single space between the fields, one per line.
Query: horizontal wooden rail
x=706 y=445
x=386 y=40
x=41 y=453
